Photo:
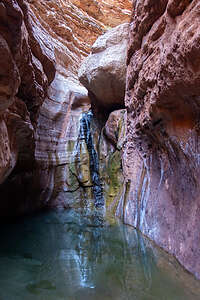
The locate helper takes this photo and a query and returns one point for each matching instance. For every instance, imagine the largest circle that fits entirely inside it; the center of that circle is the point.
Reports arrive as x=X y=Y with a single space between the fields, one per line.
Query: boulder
x=103 y=72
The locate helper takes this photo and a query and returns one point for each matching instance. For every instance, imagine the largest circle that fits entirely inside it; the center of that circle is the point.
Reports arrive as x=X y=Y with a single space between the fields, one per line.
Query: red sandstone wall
x=161 y=157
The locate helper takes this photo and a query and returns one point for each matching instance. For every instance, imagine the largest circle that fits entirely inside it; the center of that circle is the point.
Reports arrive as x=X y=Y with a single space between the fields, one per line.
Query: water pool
x=70 y=256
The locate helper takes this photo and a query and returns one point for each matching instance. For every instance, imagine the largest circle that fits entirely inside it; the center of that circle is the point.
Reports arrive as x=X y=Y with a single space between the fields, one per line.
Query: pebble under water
x=72 y=256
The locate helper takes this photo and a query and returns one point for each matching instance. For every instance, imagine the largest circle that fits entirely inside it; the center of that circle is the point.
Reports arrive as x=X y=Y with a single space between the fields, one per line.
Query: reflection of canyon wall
x=161 y=156
x=42 y=45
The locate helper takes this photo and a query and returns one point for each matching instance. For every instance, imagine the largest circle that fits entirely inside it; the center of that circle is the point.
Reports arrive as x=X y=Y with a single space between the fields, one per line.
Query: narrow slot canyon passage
x=99 y=150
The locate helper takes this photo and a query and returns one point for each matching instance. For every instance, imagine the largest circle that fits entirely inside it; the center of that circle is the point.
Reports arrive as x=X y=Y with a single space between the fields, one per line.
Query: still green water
x=70 y=256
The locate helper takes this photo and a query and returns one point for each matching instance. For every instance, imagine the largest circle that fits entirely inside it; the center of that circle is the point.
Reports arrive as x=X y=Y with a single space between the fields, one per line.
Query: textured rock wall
x=103 y=73
x=110 y=13
x=111 y=143
x=61 y=153
x=161 y=156
x=54 y=153
x=27 y=69
x=41 y=99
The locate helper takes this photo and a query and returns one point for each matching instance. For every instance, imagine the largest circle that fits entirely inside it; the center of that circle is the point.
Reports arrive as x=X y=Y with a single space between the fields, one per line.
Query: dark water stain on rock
x=85 y=133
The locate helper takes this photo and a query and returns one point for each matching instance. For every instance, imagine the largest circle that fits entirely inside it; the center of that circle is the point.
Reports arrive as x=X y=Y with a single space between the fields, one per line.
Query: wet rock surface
x=161 y=156
x=110 y=155
x=86 y=135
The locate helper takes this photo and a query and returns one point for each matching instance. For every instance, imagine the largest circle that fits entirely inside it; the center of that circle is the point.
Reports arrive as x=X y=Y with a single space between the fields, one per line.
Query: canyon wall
x=67 y=144
x=42 y=101
x=161 y=155
x=27 y=69
x=63 y=145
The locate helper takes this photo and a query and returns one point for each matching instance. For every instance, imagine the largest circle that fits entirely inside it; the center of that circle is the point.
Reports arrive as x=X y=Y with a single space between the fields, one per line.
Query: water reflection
x=76 y=256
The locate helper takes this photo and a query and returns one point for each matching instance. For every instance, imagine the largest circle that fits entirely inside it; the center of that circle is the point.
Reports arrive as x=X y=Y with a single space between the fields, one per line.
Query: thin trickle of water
x=85 y=133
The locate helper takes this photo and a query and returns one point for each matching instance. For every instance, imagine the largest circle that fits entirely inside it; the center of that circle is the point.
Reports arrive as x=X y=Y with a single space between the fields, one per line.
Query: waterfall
x=85 y=133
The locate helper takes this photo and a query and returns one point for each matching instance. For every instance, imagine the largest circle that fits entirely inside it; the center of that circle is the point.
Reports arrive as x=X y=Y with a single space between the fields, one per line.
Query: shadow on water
x=76 y=255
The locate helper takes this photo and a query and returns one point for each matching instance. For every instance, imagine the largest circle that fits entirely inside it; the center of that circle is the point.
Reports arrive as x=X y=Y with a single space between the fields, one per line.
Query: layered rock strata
x=110 y=13
x=42 y=45
x=103 y=73
x=161 y=156
x=27 y=68
x=62 y=153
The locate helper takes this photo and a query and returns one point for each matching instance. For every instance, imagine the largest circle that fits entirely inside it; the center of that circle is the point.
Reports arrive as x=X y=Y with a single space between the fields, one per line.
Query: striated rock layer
x=41 y=99
x=62 y=150
x=161 y=156
x=108 y=12
x=25 y=73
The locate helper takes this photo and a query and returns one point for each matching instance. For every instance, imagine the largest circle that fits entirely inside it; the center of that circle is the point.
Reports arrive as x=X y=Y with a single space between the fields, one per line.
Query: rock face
x=111 y=143
x=109 y=12
x=62 y=153
x=161 y=156
x=41 y=99
x=103 y=72
x=26 y=71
